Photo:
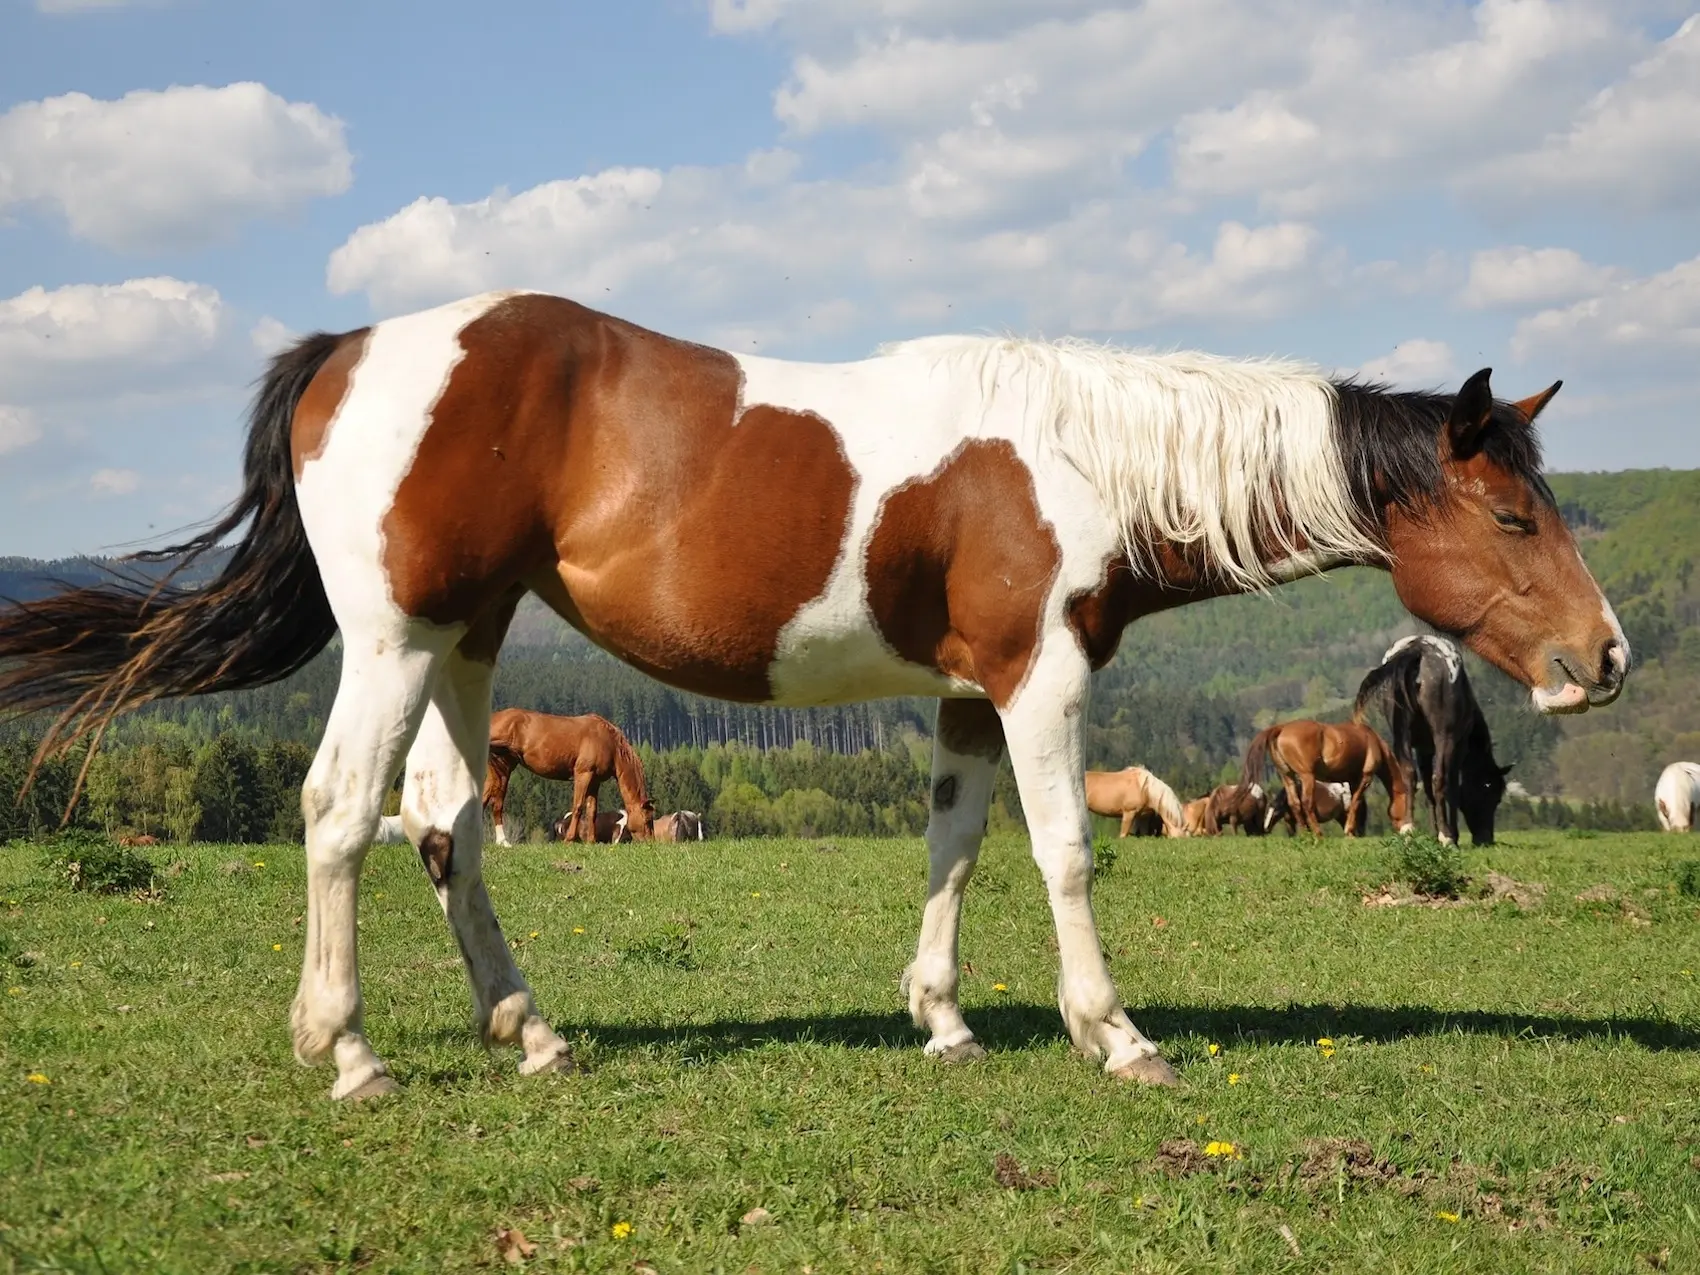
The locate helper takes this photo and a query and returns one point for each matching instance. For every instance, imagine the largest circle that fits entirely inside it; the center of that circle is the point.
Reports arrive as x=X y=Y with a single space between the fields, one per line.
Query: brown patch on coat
x=539 y=468
x=970 y=728
x=436 y=852
x=317 y=407
x=960 y=565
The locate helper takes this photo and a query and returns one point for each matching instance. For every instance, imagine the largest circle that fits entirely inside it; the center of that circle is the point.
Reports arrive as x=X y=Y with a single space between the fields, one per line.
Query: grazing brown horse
x=972 y=518
x=1128 y=794
x=681 y=825
x=1304 y=752
x=1332 y=803
x=588 y=750
x=1228 y=806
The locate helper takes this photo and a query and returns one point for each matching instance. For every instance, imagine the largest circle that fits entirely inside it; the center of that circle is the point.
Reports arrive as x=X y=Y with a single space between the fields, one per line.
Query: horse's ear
x=1472 y=412
x=1531 y=406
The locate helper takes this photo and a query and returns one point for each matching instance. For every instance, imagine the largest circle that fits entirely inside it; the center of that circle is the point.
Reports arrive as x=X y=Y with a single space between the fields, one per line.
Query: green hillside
x=1188 y=687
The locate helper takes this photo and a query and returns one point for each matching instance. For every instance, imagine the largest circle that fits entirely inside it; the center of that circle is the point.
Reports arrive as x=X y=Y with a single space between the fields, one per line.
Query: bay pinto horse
x=611 y=829
x=1306 y=752
x=681 y=825
x=1228 y=806
x=1332 y=803
x=588 y=750
x=1128 y=794
x=1677 y=796
x=972 y=518
x=1436 y=731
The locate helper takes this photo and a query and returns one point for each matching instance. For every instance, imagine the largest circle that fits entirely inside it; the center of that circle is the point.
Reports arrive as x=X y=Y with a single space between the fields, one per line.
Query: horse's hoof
x=562 y=1062
x=379 y=1086
x=1151 y=1070
x=967 y=1051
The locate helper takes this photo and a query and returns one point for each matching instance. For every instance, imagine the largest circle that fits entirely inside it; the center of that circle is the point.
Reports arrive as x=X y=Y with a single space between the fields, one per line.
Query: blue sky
x=1412 y=189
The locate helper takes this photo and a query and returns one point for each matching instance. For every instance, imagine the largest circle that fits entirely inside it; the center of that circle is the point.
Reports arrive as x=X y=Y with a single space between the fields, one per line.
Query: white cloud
x=114 y=482
x=18 y=428
x=84 y=340
x=1649 y=316
x=269 y=336
x=1637 y=143
x=1418 y=363
x=1520 y=277
x=154 y=171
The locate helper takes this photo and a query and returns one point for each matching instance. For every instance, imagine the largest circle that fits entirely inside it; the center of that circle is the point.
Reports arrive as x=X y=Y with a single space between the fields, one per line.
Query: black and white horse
x=1436 y=728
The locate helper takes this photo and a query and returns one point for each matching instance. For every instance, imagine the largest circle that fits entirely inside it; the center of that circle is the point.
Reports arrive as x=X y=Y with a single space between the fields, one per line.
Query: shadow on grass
x=1014 y=1027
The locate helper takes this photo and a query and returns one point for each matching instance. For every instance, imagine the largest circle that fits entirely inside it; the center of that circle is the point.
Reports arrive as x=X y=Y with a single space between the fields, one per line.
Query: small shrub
x=89 y=862
x=1428 y=866
x=671 y=949
x=1103 y=856
x=1688 y=877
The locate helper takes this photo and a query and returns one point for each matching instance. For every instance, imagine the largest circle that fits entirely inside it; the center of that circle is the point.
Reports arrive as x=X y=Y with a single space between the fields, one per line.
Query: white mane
x=1238 y=457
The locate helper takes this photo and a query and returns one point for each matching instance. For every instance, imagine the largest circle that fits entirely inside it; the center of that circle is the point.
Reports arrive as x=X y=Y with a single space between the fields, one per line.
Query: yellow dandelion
x=1428 y=1067
x=1201 y=1118
x=259 y=863
x=534 y=934
x=36 y=1078
x=1214 y=1049
x=76 y=965
x=1444 y=1216
x=1328 y=1053
x=621 y=1230
x=1233 y=1077
x=378 y=895
x=277 y=947
x=14 y=991
x=1327 y=1042
x=1000 y=987
x=1222 y=1150
x=755 y=894
x=578 y=929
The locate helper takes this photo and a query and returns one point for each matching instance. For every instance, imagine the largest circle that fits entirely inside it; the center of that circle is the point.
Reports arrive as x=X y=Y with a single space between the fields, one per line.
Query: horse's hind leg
x=443 y=815
x=967 y=743
x=382 y=694
x=1127 y=822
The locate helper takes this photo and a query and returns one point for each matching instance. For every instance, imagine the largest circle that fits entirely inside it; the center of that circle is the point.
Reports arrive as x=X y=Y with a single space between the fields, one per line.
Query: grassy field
x=1508 y=1088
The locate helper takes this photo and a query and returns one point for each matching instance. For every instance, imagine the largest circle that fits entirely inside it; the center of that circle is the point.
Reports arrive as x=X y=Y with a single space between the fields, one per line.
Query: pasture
x=1508 y=1087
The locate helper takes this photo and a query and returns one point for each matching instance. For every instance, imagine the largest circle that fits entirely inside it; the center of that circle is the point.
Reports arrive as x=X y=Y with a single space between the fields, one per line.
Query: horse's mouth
x=1574 y=694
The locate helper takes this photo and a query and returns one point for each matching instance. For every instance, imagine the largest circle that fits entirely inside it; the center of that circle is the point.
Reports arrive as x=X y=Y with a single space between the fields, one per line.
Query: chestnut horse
x=972 y=518
x=1304 y=752
x=588 y=750
x=1127 y=794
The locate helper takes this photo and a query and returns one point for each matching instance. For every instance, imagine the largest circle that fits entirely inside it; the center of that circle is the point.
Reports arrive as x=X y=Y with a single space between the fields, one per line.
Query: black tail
x=1389 y=688
x=95 y=652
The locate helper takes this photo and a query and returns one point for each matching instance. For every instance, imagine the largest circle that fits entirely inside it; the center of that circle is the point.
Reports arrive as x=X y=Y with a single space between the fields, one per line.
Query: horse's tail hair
x=1381 y=685
x=1256 y=760
x=93 y=653
x=497 y=769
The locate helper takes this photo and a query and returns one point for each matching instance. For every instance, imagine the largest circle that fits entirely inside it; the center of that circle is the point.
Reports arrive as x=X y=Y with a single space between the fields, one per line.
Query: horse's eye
x=1509 y=521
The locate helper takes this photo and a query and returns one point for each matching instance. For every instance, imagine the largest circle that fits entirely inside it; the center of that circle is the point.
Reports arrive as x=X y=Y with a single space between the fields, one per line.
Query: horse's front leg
x=1359 y=789
x=1127 y=822
x=1042 y=724
x=967 y=743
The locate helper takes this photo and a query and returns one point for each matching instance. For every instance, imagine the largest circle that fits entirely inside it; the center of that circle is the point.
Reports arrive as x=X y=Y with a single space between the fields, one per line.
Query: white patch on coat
x=1443 y=647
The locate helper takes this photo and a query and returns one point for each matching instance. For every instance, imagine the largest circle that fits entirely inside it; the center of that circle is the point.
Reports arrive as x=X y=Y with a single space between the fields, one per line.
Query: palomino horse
x=971 y=518
x=1127 y=794
x=1194 y=816
x=1677 y=796
x=1332 y=803
x=681 y=825
x=589 y=750
x=1304 y=752
x=1228 y=806
x=1436 y=730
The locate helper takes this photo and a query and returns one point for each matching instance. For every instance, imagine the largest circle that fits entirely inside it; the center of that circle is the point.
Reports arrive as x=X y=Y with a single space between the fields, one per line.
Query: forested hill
x=1188 y=687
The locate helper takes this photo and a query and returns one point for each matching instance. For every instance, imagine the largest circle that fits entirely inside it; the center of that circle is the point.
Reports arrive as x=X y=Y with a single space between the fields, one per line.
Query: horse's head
x=640 y=820
x=1481 y=787
x=559 y=829
x=1490 y=559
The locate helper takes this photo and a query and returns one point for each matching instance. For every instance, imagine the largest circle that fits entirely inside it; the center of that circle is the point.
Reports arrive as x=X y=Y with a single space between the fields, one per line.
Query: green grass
x=1535 y=1074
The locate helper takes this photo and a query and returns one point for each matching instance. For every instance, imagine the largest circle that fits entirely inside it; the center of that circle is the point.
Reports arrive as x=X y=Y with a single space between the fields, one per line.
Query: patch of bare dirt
x=1181 y=1158
x=1527 y=895
x=1007 y=1172
x=1598 y=894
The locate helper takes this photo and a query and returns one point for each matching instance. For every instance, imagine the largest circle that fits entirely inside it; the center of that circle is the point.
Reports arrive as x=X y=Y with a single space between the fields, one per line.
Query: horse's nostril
x=1614 y=663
